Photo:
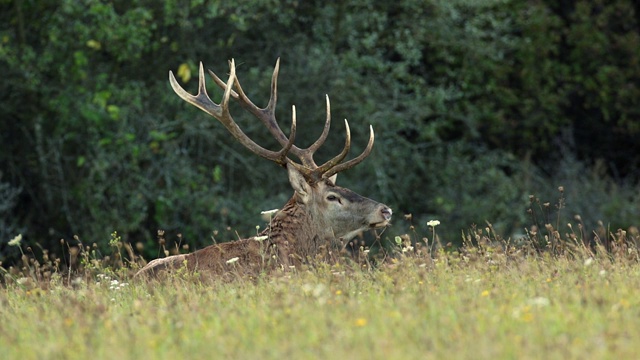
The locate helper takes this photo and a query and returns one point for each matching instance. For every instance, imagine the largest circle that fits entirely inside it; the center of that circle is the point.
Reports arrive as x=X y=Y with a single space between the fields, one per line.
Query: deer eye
x=333 y=198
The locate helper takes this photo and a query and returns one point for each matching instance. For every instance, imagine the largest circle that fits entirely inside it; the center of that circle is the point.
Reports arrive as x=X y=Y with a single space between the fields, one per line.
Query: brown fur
x=306 y=224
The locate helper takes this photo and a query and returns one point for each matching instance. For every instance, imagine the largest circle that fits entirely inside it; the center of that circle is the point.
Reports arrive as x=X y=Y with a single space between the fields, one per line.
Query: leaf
x=94 y=44
x=217 y=173
x=101 y=98
x=80 y=59
x=184 y=72
x=81 y=160
x=114 y=111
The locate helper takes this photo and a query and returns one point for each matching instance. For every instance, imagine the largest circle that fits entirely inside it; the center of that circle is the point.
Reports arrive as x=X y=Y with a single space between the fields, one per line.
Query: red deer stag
x=318 y=214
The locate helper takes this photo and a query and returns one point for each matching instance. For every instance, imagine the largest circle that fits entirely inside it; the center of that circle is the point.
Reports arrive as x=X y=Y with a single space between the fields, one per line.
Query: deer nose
x=386 y=213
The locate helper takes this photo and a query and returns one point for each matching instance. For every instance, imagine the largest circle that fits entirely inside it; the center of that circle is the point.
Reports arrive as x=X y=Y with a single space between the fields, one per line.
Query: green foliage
x=608 y=207
x=9 y=228
x=460 y=93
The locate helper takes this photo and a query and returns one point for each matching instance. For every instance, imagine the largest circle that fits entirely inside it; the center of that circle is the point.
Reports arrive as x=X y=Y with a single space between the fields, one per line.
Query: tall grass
x=488 y=299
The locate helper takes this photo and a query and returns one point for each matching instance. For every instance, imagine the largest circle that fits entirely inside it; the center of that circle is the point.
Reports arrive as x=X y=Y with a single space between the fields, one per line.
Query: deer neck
x=293 y=226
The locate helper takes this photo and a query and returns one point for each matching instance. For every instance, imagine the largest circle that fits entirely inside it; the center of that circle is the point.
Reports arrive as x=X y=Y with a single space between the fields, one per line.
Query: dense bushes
x=475 y=106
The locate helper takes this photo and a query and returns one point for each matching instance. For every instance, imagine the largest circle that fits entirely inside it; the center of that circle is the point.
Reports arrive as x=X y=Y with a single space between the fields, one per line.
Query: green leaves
x=458 y=92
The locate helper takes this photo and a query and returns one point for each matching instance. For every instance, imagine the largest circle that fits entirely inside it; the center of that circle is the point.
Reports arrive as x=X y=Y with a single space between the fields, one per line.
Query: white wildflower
x=114 y=285
x=603 y=272
x=539 y=301
x=261 y=238
x=433 y=223
x=588 y=262
x=16 y=240
x=232 y=260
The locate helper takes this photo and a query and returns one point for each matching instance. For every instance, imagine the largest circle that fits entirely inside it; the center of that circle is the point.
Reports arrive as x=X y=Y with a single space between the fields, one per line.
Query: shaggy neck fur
x=293 y=231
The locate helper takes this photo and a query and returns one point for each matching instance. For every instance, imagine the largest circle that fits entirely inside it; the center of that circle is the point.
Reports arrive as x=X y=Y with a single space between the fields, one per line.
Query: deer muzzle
x=385 y=214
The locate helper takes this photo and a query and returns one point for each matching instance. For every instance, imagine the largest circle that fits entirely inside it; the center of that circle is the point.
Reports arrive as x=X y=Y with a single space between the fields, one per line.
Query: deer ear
x=299 y=183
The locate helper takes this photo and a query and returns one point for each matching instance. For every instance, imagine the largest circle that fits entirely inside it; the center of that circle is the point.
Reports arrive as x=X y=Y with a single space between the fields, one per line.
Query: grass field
x=482 y=302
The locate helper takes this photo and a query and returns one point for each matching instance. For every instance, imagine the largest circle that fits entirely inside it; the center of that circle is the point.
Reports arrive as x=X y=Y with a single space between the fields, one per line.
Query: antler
x=307 y=165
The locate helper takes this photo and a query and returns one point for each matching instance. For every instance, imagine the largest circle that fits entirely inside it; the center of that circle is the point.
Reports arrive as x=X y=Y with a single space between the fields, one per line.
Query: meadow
x=472 y=102
x=488 y=299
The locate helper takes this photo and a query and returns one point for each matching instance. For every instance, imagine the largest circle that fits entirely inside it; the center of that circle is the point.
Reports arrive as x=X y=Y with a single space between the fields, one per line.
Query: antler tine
x=222 y=84
x=327 y=124
x=201 y=100
x=273 y=98
x=266 y=115
x=292 y=136
x=309 y=167
x=221 y=112
x=355 y=161
x=322 y=169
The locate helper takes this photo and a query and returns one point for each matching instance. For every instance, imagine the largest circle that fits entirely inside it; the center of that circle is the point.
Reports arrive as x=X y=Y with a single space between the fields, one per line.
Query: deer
x=319 y=214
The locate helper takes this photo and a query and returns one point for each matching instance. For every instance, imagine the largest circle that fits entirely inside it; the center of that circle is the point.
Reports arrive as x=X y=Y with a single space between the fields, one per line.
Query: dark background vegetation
x=476 y=105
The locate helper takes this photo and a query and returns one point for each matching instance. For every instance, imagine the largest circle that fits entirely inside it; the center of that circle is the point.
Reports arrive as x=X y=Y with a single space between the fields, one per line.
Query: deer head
x=319 y=209
x=339 y=213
